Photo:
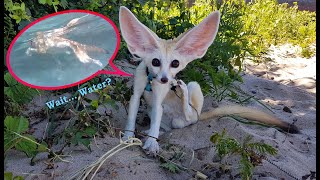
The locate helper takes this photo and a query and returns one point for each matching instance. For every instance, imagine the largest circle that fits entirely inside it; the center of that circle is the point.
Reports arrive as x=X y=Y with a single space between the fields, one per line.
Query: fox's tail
x=251 y=114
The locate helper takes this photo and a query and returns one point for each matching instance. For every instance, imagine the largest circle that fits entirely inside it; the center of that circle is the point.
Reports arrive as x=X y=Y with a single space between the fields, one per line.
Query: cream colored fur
x=189 y=46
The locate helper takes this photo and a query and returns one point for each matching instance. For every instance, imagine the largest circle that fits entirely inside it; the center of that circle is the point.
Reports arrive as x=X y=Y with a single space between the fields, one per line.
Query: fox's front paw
x=127 y=135
x=152 y=146
x=28 y=52
x=182 y=85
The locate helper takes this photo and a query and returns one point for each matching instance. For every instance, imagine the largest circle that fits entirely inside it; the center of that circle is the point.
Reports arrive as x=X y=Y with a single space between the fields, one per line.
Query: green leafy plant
x=251 y=153
x=79 y=130
x=10 y=176
x=170 y=167
x=17 y=11
x=53 y=3
x=16 y=136
x=268 y=22
x=16 y=95
x=9 y=33
x=119 y=92
x=84 y=137
x=171 y=158
x=18 y=92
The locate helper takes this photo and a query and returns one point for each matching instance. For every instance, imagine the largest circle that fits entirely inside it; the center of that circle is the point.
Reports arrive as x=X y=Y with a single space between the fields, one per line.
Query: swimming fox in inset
x=53 y=41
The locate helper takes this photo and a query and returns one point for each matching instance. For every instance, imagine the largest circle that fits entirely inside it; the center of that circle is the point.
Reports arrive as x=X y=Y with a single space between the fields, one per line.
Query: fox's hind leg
x=192 y=102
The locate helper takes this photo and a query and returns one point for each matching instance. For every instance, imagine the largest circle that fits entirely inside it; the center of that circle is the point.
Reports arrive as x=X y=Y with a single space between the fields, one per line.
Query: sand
x=285 y=81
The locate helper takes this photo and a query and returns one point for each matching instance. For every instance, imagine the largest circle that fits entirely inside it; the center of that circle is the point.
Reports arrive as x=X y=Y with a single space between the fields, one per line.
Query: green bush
x=16 y=11
x=245 y=29
x=16 y=136
x=271 y=23
x=251 y=153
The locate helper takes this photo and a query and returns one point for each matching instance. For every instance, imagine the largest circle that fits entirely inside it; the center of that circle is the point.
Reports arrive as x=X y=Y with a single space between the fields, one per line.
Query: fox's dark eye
x=175 y=63
x=156 y=62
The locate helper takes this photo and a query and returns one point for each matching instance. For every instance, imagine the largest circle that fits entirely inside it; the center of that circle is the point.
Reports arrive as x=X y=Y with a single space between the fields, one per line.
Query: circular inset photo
x=63 y=49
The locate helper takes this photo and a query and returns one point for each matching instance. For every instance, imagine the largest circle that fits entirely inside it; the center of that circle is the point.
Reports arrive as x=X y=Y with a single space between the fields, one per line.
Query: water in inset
x=75 y=54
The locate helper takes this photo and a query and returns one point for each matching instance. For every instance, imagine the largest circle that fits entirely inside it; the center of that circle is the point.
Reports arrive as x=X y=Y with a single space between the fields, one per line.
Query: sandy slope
x=284 y=81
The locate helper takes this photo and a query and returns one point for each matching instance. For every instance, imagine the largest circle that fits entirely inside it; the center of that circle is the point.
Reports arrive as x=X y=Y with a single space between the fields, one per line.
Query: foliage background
x=246 y=29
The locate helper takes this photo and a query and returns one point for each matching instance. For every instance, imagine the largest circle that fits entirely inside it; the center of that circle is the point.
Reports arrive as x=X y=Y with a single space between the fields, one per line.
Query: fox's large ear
x=139 y=38
x=194 y=43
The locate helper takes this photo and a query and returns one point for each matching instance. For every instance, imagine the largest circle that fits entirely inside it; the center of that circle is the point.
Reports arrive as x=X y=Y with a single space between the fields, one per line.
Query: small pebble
x=286 y=109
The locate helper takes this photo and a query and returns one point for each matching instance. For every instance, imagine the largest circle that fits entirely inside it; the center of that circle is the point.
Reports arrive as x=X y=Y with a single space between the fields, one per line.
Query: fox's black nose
x=164 y=79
